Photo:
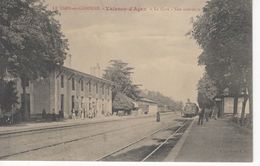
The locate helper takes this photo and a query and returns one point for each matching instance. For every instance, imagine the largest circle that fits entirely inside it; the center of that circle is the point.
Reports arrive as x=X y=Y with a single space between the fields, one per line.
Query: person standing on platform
x=73 y=114
x=215 y=112
x=207 y=113
x=201 y=116
x=158 y=116
x=76 y=109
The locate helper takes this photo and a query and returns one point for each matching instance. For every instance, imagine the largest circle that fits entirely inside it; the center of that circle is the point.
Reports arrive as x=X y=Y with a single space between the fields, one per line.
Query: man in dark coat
x=201 y=116
x=158 y=116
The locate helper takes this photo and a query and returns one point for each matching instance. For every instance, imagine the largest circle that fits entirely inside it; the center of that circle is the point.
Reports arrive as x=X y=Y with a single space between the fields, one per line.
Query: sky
x=152 y=40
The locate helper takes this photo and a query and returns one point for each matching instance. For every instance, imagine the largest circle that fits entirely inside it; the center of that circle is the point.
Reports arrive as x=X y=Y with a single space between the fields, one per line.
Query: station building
x=65 y=90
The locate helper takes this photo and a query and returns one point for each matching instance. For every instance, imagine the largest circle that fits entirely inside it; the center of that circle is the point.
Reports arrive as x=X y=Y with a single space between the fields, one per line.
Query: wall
x=228 y=105
x=143 y=107
x=92 y=100
x=29 y=90
x=53 y=91
x=150 y=108
x=40 y=96
x=153 y=108
x=46 y=94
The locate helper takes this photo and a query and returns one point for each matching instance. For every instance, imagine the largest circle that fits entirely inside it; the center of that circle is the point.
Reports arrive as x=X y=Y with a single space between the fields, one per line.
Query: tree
x=8 y=95
x=207 y=90
x=31 y=44
x=224 y=32
x=120 y=73
x=162 y=99
x=122 y=102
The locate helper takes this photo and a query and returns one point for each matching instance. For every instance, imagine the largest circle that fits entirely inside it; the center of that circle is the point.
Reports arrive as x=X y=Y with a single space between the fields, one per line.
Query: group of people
x=83 y=109
x=206 y=113
x=79 y=112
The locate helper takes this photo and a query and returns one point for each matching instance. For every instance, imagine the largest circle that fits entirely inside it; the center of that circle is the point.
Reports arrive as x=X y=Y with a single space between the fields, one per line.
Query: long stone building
x=67 y=90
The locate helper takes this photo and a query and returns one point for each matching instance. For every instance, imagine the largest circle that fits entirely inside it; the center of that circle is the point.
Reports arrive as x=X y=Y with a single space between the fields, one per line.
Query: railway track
x=72 y=140
x=177 y=132
x=63 y=127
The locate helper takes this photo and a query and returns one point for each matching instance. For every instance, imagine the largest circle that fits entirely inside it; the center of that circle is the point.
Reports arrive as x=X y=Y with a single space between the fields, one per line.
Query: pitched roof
x=86 y=75
x=147 y=100
x=122 y=102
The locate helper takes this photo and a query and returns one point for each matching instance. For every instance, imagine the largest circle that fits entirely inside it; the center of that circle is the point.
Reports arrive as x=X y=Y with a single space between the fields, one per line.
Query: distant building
x=147 y=106
x=66 y=89
x=163 y=108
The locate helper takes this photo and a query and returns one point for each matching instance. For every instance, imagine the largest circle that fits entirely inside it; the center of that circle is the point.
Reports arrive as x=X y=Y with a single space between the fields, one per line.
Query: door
x=28 y=105
x=62 y=103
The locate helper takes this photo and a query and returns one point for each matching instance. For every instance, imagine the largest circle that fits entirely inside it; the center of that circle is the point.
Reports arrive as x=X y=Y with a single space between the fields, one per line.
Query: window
x=103 y=89
x=89 y=86
x=96 y=88
x=82 y=85
x=72 y=102
x=89 y=105
x=103 y=109
x=62 y=81
x=62 y=102
x=73 y=83
x=97 y=104
x=82 y=100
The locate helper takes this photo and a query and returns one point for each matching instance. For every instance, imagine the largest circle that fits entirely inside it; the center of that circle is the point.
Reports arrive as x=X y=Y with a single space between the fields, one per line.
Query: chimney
x=96 y=70
x=69 y=61
x=92 y=71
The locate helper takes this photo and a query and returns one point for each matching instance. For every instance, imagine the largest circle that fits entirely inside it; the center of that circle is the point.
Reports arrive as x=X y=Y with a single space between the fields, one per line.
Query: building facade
x=164 y=108
x=68 y=91
x=147 y=106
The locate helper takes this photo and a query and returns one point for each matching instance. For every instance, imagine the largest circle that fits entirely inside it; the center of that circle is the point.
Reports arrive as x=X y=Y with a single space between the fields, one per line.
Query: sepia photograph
x=126 y=81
